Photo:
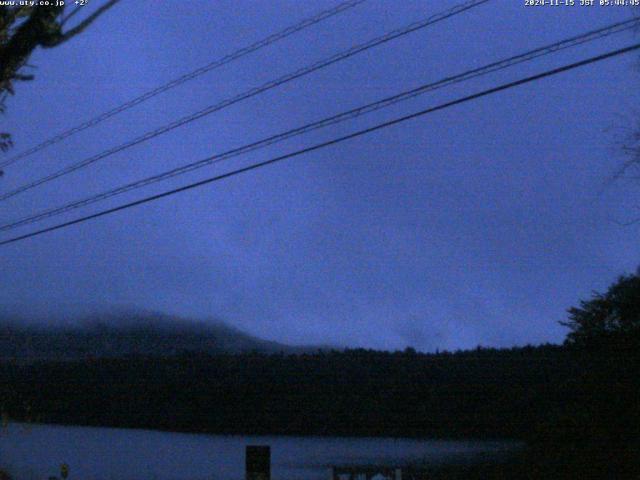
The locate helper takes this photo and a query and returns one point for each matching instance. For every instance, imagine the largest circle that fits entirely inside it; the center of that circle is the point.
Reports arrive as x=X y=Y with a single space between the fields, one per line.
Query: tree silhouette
x=597 y=424
x=25 y=28
x=612 y=315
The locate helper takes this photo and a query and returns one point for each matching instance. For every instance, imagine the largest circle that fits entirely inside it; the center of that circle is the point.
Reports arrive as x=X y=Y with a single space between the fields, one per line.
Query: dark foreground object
x=554 y=462
x=258 y=462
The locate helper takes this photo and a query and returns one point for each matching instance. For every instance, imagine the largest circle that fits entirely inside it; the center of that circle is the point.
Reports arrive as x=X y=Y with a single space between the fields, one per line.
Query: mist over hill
x=120 y=334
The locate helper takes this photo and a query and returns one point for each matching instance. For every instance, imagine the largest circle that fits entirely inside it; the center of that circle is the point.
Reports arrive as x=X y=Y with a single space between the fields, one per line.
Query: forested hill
x=125 y=334
x=478 y=393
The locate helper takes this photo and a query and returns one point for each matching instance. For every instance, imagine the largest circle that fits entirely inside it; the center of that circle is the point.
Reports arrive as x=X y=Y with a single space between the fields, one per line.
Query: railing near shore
x=258 y=467
x=364 y=473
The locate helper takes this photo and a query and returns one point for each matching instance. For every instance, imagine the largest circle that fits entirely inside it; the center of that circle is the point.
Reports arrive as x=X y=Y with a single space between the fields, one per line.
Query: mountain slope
x=124 y=334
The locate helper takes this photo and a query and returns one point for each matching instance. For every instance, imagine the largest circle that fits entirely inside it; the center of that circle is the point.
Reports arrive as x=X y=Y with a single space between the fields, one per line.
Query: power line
x=359 y=133
x=250 y=93
x=185 y=78
x=341 y=117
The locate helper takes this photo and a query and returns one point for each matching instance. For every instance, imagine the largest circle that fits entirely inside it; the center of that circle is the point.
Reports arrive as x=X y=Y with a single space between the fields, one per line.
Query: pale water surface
x=32 y=452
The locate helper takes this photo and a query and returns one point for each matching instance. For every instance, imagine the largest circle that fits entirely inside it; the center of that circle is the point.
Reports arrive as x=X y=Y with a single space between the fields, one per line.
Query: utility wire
x=248 y=94
x=341 y=117
x=184 y=78
x=359 y=133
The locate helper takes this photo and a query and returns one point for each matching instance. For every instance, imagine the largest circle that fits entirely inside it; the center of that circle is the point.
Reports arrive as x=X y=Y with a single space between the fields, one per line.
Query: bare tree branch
x=70 y=16
x=81 y=26
x=22 y=30
x=10 y=15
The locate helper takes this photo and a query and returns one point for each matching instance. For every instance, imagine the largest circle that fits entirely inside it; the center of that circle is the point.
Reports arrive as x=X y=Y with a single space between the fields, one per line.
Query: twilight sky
x=479 y=224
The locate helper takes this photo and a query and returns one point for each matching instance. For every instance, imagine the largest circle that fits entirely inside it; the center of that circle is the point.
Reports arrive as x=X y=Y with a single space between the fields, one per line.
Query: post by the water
x=258 y=462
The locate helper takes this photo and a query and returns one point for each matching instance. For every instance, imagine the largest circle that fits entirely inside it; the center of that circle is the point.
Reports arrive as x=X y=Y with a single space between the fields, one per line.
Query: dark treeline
x=577 y=406
x=478 y=393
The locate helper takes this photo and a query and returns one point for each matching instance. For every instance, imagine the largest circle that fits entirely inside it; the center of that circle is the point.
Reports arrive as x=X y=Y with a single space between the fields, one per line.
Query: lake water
x=31 y=452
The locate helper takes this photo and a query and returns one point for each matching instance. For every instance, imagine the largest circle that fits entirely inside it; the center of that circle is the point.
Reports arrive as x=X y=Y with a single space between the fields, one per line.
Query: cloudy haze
x=479 y=224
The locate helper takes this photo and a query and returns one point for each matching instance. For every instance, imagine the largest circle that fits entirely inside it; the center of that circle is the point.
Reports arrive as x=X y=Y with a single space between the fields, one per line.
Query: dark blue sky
x=479 y=224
